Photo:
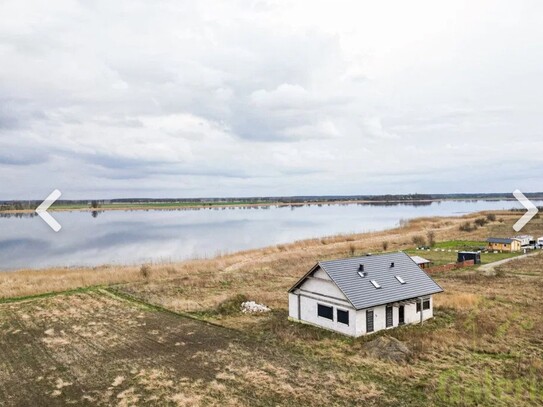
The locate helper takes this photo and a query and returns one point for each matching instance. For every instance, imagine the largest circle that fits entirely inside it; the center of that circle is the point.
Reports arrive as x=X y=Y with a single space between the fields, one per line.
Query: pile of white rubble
x=251 y=307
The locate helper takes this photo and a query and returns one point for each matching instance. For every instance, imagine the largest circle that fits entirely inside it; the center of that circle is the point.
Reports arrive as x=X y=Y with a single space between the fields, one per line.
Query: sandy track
x=490 y=268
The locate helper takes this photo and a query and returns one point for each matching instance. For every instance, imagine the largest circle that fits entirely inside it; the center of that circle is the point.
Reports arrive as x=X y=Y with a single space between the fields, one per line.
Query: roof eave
x=401 y=299
x=301 y=280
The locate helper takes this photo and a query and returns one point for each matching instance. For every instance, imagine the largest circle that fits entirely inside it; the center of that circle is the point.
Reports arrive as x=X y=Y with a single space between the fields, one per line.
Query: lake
x=133 y=237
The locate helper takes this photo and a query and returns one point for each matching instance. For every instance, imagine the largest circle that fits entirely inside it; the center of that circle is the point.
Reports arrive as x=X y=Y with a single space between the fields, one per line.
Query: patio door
x=401 y=315
x=369 y=321
x=389 y=321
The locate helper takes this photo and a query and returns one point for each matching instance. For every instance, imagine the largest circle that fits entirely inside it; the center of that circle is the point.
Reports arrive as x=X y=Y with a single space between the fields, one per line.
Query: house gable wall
x=320 y=284
x=320 y=289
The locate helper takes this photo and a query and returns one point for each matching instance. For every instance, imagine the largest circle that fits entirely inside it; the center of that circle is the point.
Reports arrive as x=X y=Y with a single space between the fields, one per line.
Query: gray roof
x=502 y=240
x=361 y=292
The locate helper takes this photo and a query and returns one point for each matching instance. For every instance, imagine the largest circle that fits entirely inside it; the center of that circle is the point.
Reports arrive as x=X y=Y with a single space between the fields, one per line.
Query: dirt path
x=490 y=268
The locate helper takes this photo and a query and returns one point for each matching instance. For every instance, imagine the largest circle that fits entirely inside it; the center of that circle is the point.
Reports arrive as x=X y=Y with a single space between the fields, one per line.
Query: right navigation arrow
x=527 y=217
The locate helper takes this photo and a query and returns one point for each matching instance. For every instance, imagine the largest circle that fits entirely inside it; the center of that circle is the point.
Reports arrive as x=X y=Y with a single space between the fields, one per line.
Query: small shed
x=503 y=244
x=466 y=256
x=421 y=262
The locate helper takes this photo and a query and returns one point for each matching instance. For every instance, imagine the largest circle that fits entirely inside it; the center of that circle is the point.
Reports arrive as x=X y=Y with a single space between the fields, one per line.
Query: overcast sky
x=105 y=99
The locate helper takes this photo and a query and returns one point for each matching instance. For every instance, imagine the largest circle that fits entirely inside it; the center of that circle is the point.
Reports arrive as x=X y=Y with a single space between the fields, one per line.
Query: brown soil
x=94 y=349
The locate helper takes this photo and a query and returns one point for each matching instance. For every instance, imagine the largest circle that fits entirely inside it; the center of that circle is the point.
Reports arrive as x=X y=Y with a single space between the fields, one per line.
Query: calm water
x=129 y=237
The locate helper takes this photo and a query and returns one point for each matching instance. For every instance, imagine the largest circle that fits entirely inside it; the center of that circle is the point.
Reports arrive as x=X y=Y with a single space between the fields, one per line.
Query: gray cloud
x=229 y=98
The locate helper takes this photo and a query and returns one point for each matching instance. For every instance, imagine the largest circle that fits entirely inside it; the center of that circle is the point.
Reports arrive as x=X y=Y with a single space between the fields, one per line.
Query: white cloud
x=236 y=98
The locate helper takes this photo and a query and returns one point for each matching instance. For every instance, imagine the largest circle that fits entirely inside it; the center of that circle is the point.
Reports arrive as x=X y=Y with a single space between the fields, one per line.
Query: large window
x=343 y=316
x=325 y=311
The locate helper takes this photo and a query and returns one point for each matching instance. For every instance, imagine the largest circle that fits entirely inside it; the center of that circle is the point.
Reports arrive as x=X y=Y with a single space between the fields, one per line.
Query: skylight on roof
x=375 y=284
x=401 y=280
x=362 y=274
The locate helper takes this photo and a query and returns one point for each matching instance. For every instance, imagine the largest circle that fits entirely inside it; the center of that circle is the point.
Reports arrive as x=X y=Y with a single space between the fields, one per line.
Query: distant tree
x=480 y=221
x=491 y=217
x=431 y=238
x=419 y=240
x=467 y=227
x=95 y=204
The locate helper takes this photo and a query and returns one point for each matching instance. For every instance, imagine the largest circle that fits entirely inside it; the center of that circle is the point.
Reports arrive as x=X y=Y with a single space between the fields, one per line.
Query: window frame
x=388 y=309
x=343 y=311
x=425 y=304
x=321 y=306
x=370 y=321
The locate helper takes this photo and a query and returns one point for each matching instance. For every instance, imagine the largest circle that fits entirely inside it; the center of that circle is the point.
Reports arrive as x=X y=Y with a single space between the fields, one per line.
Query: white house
x=360 y=295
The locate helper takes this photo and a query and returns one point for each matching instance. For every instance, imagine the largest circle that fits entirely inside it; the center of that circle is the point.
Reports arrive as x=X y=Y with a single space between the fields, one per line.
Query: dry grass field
x=483 y=348
x=98 y=347
x=91 y=348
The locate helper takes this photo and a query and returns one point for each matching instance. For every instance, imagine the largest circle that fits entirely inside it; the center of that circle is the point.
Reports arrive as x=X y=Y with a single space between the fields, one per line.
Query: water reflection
x=135 y=236
x=18 y=215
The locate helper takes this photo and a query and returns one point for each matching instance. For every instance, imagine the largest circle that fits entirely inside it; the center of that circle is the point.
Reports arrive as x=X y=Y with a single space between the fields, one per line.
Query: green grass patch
x=445 y=252
x=460 y=244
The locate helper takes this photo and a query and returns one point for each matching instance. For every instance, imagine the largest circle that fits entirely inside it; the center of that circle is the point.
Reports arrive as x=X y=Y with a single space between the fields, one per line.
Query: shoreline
x=343 y=237
x=29 y=281
x=182 y=206
x=226 y=254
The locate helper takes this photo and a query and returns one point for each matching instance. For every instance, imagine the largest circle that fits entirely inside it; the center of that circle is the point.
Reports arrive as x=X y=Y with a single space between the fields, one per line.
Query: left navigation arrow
x=44 y=206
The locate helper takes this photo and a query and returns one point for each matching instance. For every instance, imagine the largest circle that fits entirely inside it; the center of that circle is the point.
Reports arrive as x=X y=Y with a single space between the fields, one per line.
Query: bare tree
x=419 y=240
x=431 y=238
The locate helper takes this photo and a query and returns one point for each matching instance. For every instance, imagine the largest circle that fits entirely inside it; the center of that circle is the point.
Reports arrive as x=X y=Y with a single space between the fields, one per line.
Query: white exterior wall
x=309 y=315
x=293 y=306
x=411 y=316
x=319 y=289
